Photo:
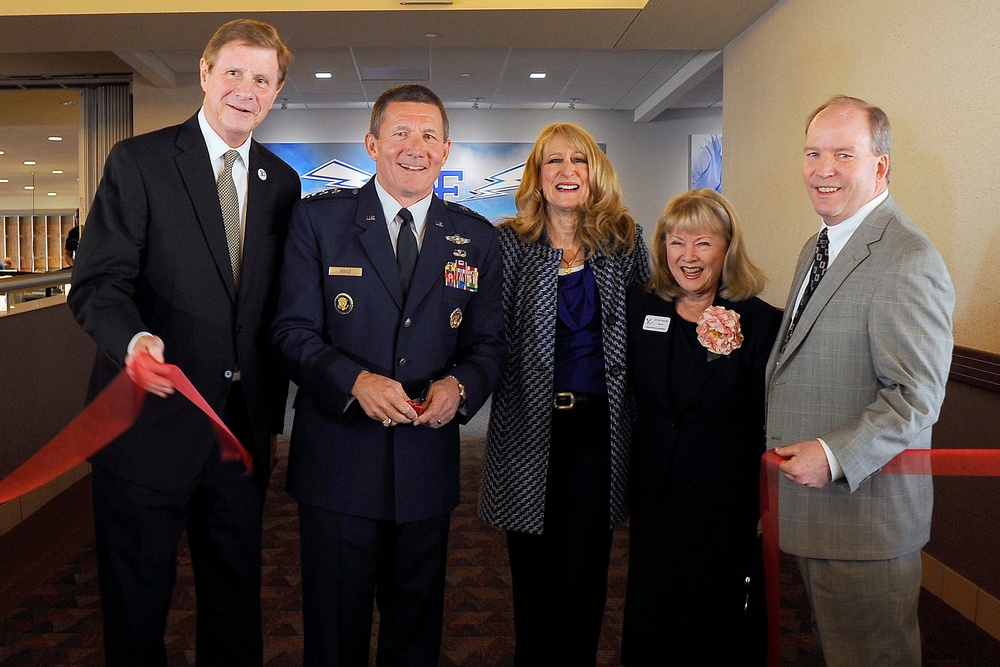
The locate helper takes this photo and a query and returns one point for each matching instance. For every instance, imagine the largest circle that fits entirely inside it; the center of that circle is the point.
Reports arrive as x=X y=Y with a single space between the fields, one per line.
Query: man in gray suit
x=857 y=376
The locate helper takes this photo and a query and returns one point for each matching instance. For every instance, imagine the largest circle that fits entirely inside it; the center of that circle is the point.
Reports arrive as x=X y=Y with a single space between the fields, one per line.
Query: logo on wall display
x=483 y=176
x=343 y=303
x=460 y=275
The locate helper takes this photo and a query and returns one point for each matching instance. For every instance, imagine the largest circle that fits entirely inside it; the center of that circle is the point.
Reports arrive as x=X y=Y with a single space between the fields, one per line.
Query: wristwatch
x=461 y=388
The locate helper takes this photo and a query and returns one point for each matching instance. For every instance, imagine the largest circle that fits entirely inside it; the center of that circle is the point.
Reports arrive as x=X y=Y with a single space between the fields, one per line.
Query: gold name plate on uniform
x=345 y=271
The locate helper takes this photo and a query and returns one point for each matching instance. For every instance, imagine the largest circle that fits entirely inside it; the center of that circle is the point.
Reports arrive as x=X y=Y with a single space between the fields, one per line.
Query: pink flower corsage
x=719 y=331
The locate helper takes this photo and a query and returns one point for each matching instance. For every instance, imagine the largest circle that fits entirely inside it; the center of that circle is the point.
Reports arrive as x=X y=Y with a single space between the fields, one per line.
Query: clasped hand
x=383 y=398
x=805 y=464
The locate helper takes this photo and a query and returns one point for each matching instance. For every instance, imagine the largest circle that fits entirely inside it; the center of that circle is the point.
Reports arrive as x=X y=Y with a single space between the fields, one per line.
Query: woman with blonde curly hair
x=556 y=467
x=699 y=340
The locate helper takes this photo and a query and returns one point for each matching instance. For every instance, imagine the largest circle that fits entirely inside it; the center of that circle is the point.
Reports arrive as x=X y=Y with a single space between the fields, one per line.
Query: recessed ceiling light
x=28 y=163
x=466 y=74
x=537 y=75
x=430 y=35
x=54 y=138
x=29 y=187
x=324 y=75
x=1 y=152
x=57 y=171
x=4 y=180
x=51 y=194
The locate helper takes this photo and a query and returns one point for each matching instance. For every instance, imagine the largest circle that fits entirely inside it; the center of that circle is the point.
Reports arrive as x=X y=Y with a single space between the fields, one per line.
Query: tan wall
x=933 y=67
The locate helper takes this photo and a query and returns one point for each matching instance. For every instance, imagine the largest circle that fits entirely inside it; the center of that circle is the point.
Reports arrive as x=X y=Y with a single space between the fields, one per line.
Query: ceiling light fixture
x=52 y=194
x=537 y=75
x=57 y=171
x=29 y=187
x=28 y=163
x=404 y=3
x=4 y=180
x=54 y=138
x=430 y=35
x=324 y=75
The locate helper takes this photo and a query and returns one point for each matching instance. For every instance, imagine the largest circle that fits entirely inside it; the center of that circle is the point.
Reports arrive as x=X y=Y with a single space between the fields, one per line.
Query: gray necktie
x=406 y=249
x=230 y=203
x=821 y=258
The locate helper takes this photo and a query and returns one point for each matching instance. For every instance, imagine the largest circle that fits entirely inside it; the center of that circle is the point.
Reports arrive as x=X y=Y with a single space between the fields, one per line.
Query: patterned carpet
x=49 y=608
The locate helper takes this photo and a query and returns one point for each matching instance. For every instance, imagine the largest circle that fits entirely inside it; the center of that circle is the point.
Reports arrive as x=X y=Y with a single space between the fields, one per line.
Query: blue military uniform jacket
x=341 y=311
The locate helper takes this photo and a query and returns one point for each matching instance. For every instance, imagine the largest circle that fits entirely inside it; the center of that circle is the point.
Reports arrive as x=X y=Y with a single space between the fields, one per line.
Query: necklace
x=572 y=260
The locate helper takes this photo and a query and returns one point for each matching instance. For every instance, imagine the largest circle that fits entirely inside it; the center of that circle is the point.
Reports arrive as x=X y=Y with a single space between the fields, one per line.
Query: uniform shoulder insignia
x=467 y=211
x=334 y=192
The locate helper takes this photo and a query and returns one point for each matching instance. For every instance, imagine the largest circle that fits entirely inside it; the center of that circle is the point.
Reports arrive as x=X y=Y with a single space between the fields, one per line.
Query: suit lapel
x=195 y=167
x=259 y=205
x=374 y=237
x=435 y=252
x=856 y=251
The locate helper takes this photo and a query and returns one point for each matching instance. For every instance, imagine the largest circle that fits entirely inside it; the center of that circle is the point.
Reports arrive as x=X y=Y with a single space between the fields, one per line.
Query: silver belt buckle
x=567 y=396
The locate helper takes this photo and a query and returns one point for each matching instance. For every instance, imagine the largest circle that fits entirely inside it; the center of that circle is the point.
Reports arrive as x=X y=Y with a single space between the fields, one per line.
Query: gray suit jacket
x=865 y=370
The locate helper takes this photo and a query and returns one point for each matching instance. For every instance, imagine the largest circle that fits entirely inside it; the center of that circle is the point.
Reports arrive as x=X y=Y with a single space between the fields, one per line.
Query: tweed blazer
x=865 y=369
x=512 y=492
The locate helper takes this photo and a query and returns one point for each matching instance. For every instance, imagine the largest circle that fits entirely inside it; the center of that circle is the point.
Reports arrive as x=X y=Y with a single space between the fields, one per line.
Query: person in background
x=556 y=466
x=856 y=377
x=8 y=263
x=71 y=245
x=699 y=339
x=389 y=355
x=179 y=263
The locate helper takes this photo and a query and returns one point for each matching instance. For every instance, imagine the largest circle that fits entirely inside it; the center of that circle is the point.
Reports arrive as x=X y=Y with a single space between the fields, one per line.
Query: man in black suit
x=179 y=261
x=372 y=313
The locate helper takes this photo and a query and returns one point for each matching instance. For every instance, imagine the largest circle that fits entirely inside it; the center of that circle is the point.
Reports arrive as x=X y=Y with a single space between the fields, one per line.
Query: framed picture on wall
x=706 y=162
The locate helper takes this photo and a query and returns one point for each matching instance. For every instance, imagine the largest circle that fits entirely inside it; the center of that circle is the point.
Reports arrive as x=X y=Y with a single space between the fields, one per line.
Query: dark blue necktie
x=406 y=249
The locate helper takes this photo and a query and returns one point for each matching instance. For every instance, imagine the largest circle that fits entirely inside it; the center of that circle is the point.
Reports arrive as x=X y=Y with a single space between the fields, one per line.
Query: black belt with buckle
x=567 y=400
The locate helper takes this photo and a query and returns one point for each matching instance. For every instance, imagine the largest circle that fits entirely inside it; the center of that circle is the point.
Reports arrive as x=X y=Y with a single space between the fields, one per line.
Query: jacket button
x=615 y=370
x=402 y=362
x=239 y=328
x=611 y=320
x=407 y=322
x=228 y=375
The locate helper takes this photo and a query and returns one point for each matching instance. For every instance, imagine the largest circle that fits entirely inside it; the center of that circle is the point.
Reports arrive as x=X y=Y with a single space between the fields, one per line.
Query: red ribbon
x=939 y=462
x=108 y=416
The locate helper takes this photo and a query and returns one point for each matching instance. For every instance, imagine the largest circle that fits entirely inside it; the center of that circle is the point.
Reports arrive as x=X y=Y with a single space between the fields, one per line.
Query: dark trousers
x=348 y=564
x=560 y=578
x=686 y=600
x=137 y=532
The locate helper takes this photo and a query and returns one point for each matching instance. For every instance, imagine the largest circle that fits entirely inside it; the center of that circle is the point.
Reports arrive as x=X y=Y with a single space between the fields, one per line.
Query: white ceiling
x=647 y=60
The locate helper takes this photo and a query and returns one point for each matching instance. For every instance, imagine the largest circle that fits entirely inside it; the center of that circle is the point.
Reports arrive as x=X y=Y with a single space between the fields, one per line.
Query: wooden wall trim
x=976 y=367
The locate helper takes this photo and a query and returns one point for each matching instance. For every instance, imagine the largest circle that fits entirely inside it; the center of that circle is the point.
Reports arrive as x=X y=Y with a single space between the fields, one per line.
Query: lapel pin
x=261 y=174
x=457 y=240
x=343 y=303
x=459 y=252
x=370 y=218
x=439 y=224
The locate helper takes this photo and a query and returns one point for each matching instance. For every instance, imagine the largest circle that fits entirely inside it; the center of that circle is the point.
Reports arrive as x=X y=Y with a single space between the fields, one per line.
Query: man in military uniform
x=388 y=357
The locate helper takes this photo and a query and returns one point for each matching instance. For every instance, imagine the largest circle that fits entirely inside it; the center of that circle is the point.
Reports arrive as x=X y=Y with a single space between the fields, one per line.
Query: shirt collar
x=217 y=148
x=842 y=232
x=390 y=207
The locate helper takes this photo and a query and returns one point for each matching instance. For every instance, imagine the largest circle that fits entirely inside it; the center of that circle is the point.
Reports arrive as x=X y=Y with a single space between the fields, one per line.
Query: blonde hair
x=606 y=224
x=704 y=211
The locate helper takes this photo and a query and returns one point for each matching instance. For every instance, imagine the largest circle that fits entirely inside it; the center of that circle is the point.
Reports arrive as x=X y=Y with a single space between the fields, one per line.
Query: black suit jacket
x=341 y=310
x=705 y=451
x=153 y=257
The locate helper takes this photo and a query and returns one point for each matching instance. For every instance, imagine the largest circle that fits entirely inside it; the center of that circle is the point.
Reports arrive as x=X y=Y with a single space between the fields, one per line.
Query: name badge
x=656 y=323
x=345 y=271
